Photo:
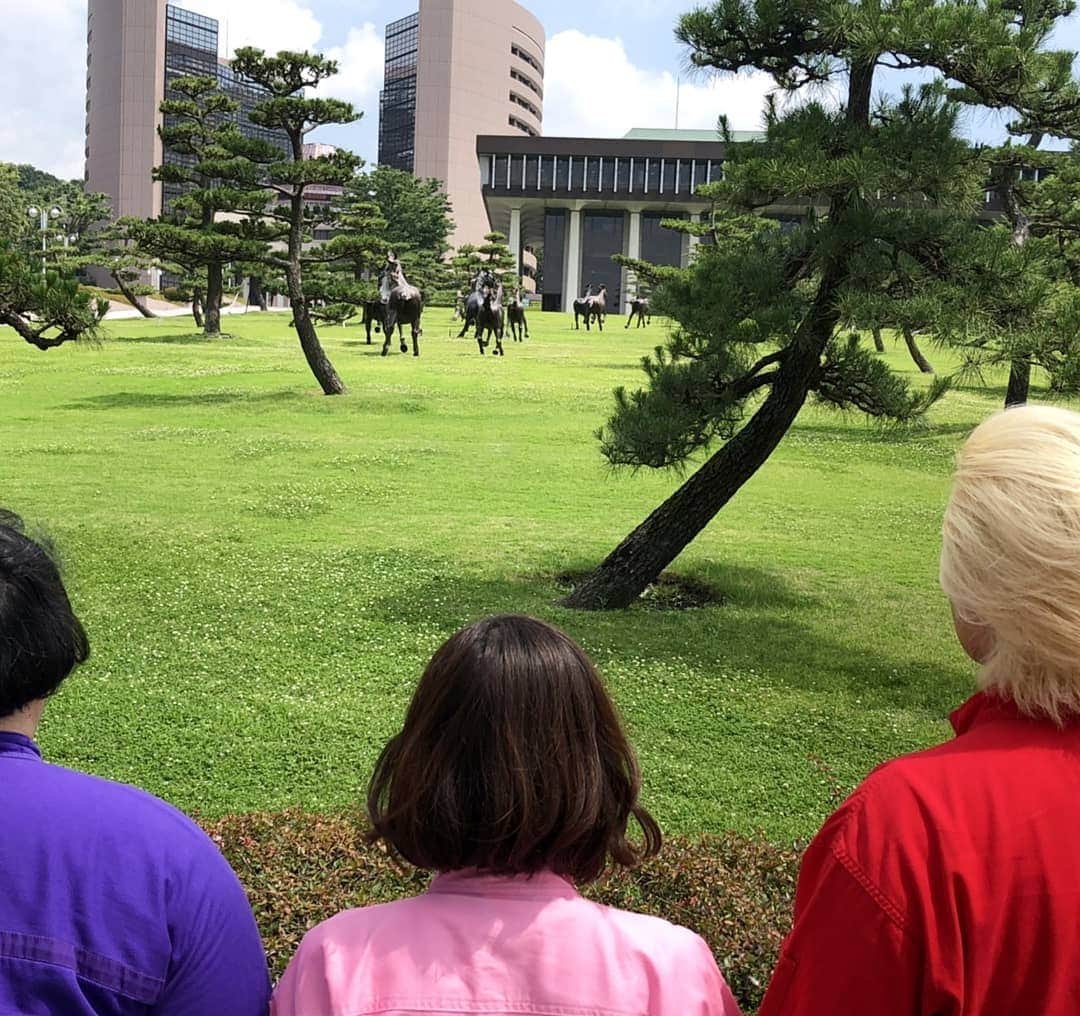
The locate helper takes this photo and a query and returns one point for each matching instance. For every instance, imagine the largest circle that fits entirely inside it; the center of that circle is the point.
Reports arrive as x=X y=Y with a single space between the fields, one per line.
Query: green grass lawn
x=264 y=571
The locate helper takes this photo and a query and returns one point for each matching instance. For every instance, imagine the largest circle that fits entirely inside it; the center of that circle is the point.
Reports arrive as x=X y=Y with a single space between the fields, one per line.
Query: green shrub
x=300 y=869
x=176 y=294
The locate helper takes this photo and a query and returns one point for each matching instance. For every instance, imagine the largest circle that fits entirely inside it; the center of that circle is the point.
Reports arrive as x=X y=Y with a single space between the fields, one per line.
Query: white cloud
x=592 y=89
x=43 y=70
x=360 y=67
x=268 y=24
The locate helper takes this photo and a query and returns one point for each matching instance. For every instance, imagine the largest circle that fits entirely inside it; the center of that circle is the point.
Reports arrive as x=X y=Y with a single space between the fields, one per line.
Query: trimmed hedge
x=300 y=869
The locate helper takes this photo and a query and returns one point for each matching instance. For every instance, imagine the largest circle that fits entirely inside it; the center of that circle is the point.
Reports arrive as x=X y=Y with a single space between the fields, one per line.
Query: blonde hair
x=1010 y=557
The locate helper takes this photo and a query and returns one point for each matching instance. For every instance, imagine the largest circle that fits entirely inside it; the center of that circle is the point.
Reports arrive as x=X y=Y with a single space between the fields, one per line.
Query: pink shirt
x=501 y=945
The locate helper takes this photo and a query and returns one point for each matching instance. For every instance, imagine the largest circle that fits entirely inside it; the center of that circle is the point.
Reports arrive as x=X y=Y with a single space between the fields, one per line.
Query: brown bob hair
x=512 y=760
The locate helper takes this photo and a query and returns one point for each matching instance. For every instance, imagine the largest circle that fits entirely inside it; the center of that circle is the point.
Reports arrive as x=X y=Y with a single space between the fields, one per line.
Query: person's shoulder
x=648 y=931
x=354 y=927
x=137 y=816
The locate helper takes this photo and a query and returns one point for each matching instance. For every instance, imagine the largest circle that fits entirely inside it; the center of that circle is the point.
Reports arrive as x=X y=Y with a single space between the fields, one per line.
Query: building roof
x=672 y=134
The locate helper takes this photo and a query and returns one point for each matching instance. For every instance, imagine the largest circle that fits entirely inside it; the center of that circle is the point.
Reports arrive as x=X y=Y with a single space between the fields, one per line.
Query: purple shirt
x=113 y=903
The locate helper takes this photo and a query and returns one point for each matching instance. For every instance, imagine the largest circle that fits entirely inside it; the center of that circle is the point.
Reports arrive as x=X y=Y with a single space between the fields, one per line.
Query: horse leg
x=417 y=331
x=525 y=323
x=600 y=321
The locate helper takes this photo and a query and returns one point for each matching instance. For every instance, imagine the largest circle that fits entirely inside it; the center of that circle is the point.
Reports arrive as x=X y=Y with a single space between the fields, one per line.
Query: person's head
x=512 y=760
x=41 y=639
x=1010 y=559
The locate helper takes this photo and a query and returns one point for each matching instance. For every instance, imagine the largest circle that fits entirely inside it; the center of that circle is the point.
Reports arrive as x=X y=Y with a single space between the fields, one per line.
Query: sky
x=610 y=65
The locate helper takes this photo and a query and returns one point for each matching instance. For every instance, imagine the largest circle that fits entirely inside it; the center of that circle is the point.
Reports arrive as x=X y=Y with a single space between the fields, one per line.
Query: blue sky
x=610 y=65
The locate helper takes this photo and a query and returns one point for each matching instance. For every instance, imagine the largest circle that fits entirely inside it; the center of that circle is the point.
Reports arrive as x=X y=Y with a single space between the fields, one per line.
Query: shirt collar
x=988 y=707
x=541 y=885
x=17 y=745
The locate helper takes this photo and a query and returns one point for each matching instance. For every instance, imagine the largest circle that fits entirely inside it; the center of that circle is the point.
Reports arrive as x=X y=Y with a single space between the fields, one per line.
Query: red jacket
x=948 y=883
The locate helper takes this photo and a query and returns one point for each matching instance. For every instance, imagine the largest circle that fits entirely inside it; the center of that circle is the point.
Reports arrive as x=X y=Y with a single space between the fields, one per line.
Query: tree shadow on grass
x=764 y=627
x=155 y=400
x=179 y=339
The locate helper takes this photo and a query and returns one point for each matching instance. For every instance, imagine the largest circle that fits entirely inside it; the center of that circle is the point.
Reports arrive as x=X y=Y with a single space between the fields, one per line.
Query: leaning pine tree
x=759 y=313
x=283 y=210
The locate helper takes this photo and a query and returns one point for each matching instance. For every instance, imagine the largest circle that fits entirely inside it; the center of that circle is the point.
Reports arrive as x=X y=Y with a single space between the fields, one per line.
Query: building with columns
x=584 y=199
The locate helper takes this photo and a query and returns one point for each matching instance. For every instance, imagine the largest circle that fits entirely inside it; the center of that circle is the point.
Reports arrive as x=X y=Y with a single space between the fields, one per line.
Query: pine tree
x=287 y=78
x=760 y=313
x=200 y=230
x=43 y=304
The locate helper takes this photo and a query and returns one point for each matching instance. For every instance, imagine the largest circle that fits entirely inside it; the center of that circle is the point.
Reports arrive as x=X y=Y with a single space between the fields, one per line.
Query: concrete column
x=572 y=265
x=514 y=241
x=633 y=250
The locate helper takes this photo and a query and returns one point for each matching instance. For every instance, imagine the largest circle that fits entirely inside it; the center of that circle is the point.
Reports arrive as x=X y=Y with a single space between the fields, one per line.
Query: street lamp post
x=43 y=215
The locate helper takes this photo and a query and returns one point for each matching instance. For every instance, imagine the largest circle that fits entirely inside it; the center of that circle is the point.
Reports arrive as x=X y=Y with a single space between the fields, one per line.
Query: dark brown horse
x=639 y=308
x=581 y=306
x=402 y=304
x=489 y=318
x=515 y=317
x=473 y=301
x=596 y=308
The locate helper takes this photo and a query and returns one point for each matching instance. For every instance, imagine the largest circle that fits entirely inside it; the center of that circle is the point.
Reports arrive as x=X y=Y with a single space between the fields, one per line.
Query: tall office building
x=397 y=100
x=477 y=67
x=134 y=48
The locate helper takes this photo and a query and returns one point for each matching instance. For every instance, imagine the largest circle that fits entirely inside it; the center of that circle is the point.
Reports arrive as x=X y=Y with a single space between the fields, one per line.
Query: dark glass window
x=637 y=180
x=622 y=175
x=547 y=173
x=652 y=182
x=607 y=175
x=551 y=280
x=659 y=245
x=532 y=171
x=502 y=168
x=602 y=236
x=577 y=173
x=592 y=175
x=562 y=173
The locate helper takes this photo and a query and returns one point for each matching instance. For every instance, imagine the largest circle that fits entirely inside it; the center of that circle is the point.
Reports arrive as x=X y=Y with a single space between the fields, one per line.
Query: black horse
x=515 y=317
x=402 y=305
x=639 y=308
x=489 y=318
x=473 y=301
x=581 y=306
x=373 y=312
x=595 y=308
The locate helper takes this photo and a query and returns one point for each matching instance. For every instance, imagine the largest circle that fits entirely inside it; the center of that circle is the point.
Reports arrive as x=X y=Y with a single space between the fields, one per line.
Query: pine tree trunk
x=212 y=325
x=879 y=344
x=132 y=297
x=1016 y=394
x=1019 y=383
x=650 y=548
x=916 y=353
x=196 y=306
x=316 y=357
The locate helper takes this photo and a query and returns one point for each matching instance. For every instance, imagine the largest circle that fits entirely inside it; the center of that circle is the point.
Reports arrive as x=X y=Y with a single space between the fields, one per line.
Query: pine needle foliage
x=885 y=232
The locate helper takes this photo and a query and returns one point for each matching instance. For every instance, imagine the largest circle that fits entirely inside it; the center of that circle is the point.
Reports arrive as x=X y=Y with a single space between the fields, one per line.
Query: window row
x=524 y=103
x=522 y=126
x=597 y=174
x=522 y=54
x=528 y=82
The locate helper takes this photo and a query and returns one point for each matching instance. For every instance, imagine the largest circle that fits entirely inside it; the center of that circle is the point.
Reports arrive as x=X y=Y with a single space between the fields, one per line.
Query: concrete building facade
x=125 y=81
x=134 y=48
x=479 y=70
x=583 y=199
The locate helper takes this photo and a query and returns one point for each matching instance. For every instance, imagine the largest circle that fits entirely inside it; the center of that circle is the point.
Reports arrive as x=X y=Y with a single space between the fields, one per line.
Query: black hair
x=41 y=639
